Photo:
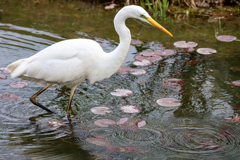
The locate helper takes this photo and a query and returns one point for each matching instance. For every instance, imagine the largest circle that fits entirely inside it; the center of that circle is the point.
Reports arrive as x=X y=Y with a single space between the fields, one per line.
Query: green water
x=170 y=133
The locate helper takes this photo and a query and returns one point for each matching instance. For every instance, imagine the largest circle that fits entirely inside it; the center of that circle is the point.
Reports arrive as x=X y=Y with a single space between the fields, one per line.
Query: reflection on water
x=195 y=130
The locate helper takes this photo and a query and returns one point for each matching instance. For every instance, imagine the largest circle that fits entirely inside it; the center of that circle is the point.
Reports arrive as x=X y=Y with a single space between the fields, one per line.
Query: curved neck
x=117 y=56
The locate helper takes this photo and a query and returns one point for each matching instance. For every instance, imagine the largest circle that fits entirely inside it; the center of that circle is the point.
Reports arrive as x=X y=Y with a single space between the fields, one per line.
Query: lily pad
x=149 y=58
x=122 y=92
x=130 y=109
x=2 y=76
x=142 y=63
x=130 y=123
x=146 y=54
x=138 y=71
x=111 y=6
x=168 y=102
x=55 y=123
x=104 y=122
x=236 y=83
x=101 y=110
x=226 y=38
x=206 y=51
x=173 y=84
x=10 y=97
x=136 y=42
x=123 y=70
x=18 y=84
x=166 y=52
x=210 y=145
x=184 y=44
x=235 y=119
x=98 y=140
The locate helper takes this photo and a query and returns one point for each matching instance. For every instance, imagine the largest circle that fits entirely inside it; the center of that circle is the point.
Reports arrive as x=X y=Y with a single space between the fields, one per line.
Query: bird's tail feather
x=17 y=68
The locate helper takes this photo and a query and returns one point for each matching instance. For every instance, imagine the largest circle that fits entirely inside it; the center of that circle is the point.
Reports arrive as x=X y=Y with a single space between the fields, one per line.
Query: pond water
x=197 y=129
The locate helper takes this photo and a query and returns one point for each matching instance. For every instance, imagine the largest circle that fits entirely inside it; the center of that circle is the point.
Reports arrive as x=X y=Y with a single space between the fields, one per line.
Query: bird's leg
x=70 y=100
x=33 y=99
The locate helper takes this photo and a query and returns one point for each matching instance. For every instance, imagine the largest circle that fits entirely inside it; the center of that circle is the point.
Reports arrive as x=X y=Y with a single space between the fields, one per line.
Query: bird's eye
x=142 y=16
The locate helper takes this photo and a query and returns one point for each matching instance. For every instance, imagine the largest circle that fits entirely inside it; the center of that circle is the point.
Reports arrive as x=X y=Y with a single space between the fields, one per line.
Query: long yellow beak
x=154 y=23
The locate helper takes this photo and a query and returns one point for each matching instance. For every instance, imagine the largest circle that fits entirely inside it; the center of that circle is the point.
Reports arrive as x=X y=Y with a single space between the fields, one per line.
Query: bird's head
x=141 y=14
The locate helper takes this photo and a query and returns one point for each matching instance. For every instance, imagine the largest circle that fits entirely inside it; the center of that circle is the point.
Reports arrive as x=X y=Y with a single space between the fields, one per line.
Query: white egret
x=69 y=62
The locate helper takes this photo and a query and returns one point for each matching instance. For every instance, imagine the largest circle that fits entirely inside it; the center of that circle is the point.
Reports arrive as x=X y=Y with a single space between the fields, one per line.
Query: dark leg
x=33 y=100
x=70 y=100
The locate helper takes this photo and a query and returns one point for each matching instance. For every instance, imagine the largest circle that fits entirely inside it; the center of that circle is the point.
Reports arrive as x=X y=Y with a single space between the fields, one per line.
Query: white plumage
x=70 y=62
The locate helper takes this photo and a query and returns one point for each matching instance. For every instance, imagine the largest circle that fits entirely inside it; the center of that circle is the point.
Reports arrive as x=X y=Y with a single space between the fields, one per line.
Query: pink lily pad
x=55 y=123
x=173 y=84
x=98 y=140
x=236 y=83
x=4 y=69
x=149 y=58
x=10 y=97
x=166 y=52
x=122 y=92
x=235 y=119
x=130 y=109
x=184 y=44
x=111 y=6
x=101 y=110
x=226 y=38
x=138 y=71
x=18 y=84
x=136 y=42
x=104 y=122
x=123 y=70
x=146 y=54
x=168 y=102
x=2 y=76
x=206 y=51
x=130 y=123
x=142 y=63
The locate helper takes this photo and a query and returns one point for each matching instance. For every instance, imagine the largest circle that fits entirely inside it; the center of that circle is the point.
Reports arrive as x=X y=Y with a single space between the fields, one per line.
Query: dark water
x=170 y=133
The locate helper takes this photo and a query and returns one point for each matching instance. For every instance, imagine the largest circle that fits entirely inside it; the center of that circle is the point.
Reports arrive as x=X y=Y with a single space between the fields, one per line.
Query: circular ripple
x=204 y=139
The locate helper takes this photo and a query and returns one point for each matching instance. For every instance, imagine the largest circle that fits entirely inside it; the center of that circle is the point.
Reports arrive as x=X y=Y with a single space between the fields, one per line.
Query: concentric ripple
x=200 y=139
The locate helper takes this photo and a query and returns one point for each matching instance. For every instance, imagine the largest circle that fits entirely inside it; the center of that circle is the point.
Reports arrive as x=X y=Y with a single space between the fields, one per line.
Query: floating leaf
x=236 y=83
x=115 y=149
x=55 y=123
x=130 y=109
x=236 y=108
x=235 y=119
x=2 y=76
x=166 y=52
x=138 y=71
x=206 y=51
x=226 y=38
x=98 y=140
x=146 y=54
x=123 y=70
x=149 y=58
x=168 y=102
x=18 y=84
x=142 y=63
x=104 y=122
x=173 y=84
x=136 y=42
x=101 y=110
x=192 y=62
x=130 y=123
x=111 y=6
x=210 y=145
x=184 y=44
x=191 y=49
x=11 y=97
x=122 y=92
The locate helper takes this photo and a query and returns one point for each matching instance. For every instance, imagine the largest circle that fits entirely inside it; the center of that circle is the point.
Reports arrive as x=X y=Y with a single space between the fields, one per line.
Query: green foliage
x=157 y=7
